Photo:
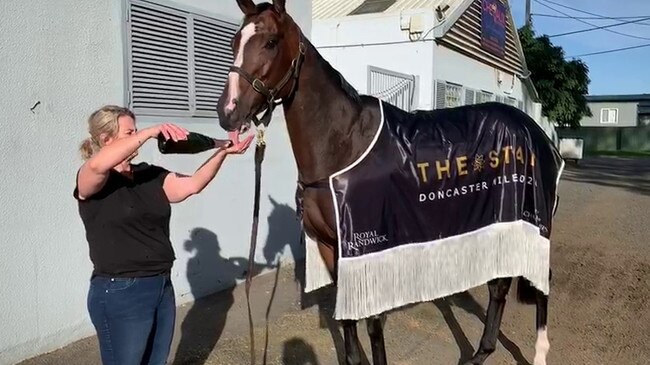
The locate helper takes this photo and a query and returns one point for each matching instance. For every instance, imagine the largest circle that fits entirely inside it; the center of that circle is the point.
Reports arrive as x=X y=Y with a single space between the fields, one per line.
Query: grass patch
x=621 y=153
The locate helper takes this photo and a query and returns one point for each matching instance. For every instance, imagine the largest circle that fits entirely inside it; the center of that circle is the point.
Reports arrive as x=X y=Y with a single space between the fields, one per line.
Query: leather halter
x=271 y=93
x=271 y=103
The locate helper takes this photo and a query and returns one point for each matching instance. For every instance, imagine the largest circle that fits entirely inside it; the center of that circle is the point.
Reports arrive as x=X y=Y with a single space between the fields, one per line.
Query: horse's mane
x=337 y=78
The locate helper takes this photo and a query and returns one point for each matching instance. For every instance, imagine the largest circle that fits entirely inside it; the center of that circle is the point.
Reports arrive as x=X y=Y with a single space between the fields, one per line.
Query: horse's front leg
x=376 y=334
x=353 y=349
x=542 y=345
x=498 y=291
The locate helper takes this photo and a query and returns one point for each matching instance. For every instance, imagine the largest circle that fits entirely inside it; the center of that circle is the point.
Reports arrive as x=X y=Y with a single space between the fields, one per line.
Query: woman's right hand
x=170 y=131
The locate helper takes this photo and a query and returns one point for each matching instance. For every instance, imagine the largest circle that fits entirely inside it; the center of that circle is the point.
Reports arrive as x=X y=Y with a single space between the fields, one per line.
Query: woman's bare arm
x=94 y=172
x=179 y=187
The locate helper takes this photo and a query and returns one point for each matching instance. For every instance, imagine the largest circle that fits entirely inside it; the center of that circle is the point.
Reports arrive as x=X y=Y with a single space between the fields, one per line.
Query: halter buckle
x=260 y=135
x=259 y=86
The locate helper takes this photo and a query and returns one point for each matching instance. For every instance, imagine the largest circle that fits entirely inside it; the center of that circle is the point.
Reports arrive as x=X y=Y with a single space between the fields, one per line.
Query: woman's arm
x=94 y=172
x=179 y=187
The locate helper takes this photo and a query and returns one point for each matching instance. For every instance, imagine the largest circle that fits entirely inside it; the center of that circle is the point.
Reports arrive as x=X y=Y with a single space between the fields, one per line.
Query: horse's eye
x=271 y=44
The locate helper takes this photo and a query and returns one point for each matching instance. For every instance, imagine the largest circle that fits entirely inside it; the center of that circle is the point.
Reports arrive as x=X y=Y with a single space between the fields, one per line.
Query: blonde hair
x=102 y=122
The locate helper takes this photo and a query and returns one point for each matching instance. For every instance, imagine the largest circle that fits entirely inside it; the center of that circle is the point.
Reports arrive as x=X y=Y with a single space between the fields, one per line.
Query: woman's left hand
x=240 y=147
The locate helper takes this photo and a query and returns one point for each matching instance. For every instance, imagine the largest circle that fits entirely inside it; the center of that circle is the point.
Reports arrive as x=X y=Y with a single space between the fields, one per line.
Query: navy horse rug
x=442 y=201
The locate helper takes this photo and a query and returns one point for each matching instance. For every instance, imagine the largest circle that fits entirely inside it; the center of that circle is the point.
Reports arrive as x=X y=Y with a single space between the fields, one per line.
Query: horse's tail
x=526 y=292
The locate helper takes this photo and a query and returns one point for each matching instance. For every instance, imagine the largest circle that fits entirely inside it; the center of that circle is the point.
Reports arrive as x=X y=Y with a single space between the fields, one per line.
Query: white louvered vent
x=159 y=59
x=177 y=61
x=213 y=58
x=441 y=92
x=469 y=96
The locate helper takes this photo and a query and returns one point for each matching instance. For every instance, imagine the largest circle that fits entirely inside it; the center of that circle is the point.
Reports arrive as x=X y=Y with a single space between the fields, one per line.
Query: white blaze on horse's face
x=233 y=77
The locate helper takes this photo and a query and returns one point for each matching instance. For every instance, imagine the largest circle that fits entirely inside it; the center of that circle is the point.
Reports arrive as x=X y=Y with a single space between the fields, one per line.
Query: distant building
x=427 y=54
x=618 y=123
x=618 y=111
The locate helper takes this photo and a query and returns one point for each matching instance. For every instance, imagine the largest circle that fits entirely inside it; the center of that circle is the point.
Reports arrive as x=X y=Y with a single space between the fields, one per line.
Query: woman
x=126 y=210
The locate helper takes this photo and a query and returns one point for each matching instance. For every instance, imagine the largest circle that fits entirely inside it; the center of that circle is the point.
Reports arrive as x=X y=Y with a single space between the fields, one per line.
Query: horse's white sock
x=541 y=346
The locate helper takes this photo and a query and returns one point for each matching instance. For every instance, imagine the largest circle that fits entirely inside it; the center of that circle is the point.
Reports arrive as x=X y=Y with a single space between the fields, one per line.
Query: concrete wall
x=351 y=44
x=62 y=60
x=627 y=114
x=376 y=40
x=454 y=67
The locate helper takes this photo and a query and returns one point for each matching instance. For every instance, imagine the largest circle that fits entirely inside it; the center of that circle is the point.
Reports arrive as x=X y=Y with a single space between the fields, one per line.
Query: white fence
x=393 y=87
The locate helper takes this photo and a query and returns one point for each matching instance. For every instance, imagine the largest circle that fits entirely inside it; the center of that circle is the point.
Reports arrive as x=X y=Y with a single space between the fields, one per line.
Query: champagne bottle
x=195 y=143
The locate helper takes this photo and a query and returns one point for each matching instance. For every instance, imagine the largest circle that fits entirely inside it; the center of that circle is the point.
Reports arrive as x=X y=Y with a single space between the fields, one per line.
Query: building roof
x=618 y=98
x=455 y=13
x=326 y=9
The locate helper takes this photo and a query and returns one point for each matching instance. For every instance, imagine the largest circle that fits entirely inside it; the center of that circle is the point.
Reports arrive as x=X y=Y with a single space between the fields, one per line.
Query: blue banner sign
x=493 y=27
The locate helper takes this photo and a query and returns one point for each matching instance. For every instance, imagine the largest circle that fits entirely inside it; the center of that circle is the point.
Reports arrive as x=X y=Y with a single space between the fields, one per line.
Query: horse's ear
x=279 y=6
x=246 y=6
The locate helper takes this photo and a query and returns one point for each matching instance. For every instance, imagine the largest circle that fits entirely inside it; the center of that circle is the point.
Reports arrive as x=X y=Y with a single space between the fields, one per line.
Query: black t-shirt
x=127 y=224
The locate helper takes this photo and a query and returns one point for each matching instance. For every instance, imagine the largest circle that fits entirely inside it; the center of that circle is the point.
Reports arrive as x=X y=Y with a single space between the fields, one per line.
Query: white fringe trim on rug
x=316 y=273
x=378 y=282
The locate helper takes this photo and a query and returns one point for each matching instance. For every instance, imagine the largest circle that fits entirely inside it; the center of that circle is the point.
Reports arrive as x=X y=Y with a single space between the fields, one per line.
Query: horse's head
x=267 y=51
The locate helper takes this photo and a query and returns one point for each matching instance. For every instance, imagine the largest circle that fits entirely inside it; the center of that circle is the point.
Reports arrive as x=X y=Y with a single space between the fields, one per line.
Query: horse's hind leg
x=376 y=334
x=498 y=291
x=542 y=345
x=352 y=346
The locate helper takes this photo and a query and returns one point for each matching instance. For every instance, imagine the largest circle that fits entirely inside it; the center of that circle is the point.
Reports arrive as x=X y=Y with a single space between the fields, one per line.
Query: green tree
x=562 y=85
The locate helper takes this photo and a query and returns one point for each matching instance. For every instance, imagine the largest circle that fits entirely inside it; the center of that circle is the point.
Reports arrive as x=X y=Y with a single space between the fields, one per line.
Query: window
x=608 y=116
x=511 y=101
x=484 y=97
x=453 y=95
x=177 y=61
x=449 y=95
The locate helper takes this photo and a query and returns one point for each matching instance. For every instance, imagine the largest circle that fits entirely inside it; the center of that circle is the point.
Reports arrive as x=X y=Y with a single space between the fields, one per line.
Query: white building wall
x=352 y=44
x=451 y=66
x=60 y=61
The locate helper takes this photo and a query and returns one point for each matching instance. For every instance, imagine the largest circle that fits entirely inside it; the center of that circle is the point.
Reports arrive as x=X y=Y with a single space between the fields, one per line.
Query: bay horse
x=330 y=126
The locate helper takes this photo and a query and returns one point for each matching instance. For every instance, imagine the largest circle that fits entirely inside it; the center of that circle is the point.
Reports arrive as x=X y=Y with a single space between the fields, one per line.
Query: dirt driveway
x=599 y=304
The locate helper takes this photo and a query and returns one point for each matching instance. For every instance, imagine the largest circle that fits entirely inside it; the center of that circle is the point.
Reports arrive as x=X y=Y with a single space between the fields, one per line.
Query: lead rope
x=260 y=147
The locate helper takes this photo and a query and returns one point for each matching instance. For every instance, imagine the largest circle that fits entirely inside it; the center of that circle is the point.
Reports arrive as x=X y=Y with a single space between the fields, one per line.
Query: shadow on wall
x=285 y=230
x=208 y=269
x=205 y=321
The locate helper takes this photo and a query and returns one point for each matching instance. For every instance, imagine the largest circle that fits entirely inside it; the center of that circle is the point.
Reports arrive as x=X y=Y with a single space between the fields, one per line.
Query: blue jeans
x=134 y=319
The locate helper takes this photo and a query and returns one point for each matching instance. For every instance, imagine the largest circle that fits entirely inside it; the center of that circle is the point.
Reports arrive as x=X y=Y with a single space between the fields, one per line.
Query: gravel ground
x=599 y=304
